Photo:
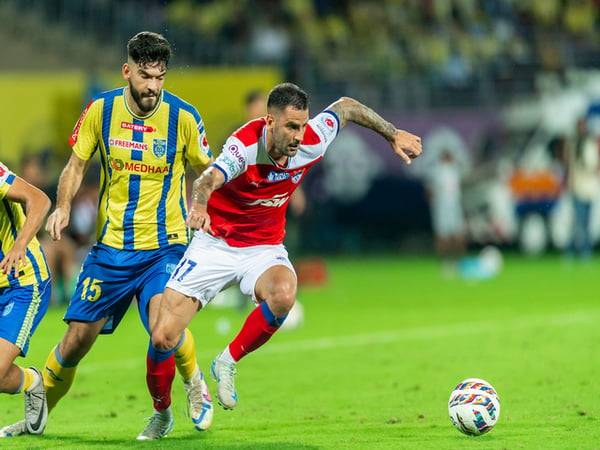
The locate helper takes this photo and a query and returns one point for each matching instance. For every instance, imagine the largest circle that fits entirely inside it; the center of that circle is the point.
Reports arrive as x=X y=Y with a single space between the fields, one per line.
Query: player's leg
x=22 y=310
x=191 y=286
x=275 y=290
x=173 y=317
x=152 y=284
x=63 y=359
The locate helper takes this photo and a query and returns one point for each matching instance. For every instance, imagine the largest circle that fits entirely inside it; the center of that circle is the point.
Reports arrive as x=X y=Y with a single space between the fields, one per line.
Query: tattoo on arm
x=205 y=184
x=352 y=110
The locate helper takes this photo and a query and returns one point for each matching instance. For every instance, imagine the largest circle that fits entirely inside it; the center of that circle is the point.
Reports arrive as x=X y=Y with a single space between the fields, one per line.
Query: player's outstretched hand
x=57 y=221
x=198 y=218
x=406 y=145
x=13 y=260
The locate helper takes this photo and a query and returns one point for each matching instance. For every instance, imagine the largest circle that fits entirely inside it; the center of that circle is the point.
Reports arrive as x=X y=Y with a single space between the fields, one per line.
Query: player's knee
x=164 y=341
x=282 y=298
x=4 y=370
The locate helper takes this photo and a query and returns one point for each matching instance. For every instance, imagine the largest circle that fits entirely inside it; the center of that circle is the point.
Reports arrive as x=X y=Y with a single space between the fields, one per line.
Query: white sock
x=226 y=356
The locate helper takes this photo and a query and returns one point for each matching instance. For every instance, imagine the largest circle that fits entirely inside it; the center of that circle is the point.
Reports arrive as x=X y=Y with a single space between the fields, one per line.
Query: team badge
x=8 y=309
x=159 y=147
x=297 y=176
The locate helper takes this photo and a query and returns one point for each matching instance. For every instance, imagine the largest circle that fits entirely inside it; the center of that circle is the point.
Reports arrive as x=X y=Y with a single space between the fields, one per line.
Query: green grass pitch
x=373 y=365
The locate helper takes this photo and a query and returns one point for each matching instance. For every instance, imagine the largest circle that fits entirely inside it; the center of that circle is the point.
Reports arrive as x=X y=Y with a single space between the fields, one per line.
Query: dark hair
x=252 y=96
x=147 y=47
x=287 y=94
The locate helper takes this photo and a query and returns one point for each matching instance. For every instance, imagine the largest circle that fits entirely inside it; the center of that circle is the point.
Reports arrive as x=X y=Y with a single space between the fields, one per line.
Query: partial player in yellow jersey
x=24 y=291
x=145 y=137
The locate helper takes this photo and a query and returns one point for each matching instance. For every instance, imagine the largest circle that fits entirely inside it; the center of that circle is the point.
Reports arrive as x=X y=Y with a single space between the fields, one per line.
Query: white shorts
x=210 y=265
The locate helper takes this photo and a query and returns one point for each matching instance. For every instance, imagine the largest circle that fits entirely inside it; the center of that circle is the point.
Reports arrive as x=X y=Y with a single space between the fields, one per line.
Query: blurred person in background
x=447 y=216
x=584 y=186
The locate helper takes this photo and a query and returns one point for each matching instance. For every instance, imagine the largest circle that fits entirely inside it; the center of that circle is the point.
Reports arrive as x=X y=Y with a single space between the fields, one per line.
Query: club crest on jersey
x=274 y=176
x=159 y=147
x=297 y=176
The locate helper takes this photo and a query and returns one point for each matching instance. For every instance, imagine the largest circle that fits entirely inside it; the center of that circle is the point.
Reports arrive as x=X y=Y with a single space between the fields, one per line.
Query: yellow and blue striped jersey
x=12 y=218
x=142 y=184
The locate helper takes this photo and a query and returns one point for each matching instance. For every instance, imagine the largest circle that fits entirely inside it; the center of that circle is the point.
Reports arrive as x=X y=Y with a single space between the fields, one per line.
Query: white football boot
x=16 y=429
x=223 y=372
x=160 y=424
x=36 y=407
x=200 y=405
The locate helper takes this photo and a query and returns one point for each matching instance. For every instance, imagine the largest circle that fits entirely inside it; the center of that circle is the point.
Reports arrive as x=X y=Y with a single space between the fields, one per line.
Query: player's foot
x=223 y=372
x=36 y=408
x=16 y=429
x=199 y=401
x=159 y=425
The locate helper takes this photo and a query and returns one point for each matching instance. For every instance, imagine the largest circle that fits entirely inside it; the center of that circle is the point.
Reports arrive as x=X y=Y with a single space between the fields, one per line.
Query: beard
x=145 y=103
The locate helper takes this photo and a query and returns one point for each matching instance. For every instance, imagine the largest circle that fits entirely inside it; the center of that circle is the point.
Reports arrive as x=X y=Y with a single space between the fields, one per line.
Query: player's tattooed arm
x=404 y=144
x=209 y=181
x=68 y=185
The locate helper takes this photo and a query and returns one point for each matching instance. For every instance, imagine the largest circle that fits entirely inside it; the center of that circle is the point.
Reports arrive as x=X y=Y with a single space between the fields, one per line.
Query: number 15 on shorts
x=185 y=266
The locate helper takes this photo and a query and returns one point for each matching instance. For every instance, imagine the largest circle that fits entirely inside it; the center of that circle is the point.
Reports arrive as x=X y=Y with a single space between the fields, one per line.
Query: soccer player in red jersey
x=238 y=208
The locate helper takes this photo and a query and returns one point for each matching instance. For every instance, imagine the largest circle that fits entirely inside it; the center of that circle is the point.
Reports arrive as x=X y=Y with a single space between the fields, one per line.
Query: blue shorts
x=110 y=278
x=21 y=310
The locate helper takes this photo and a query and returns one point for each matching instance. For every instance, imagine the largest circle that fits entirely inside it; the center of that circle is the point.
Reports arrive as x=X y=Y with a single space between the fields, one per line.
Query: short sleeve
x=233 y=160
x=87 y=134
x=7 y=178
x=198 y=152
x=326 y=125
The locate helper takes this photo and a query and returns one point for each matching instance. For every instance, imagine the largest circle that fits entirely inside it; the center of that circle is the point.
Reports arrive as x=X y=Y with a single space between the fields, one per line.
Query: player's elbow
x=44 y=203
x=347 y=102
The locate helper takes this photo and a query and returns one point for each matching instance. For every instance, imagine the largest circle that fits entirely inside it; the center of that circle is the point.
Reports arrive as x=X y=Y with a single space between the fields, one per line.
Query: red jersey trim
x=310 y=137
x=250 y=133
x=75 y=134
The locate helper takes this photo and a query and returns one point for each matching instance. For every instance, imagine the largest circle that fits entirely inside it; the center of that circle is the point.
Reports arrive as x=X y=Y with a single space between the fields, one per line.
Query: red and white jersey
x=249 y=209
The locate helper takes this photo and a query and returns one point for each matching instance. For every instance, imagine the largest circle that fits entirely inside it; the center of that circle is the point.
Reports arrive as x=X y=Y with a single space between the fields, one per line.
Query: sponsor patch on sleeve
x=75 y=133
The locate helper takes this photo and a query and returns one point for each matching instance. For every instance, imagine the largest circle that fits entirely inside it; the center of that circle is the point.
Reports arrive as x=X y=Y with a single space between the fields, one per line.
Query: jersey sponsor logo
x=75 y=134
x=274 y=176
x=323 y=129
x=329 y=122
x=235 y=151
x=275 y=202
x=204 y=145
x=137 y=167
x=159 y=147
x=4 y=173
x=128 y=145
x=137 y=127
x=230 y=163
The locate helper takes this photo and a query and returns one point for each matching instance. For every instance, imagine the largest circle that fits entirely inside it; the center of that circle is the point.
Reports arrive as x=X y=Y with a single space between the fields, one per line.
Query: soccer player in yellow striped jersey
x=24 y=290
x=145 y=136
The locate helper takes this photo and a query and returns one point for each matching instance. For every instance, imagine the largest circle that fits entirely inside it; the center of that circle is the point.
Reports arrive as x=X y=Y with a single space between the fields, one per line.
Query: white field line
x=384 y=337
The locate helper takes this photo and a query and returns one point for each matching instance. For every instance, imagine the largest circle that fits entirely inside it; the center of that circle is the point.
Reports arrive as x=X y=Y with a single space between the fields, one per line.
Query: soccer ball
x=474 y=406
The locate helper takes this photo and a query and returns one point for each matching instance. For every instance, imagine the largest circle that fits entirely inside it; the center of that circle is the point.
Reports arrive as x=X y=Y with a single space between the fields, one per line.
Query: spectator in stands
x=584 y=185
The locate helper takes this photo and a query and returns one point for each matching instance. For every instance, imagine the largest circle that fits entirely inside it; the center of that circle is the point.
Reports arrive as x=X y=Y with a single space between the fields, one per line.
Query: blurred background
x=504 y=93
